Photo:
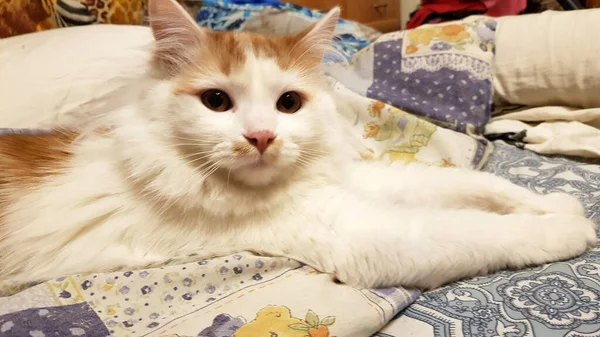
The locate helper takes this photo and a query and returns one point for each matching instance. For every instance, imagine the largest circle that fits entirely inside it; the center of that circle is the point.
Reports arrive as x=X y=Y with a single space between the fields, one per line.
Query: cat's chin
x=260 y=164
x=259 y=173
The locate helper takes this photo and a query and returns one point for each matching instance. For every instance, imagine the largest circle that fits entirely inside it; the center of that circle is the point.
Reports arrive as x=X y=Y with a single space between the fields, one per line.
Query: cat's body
x=185 y=171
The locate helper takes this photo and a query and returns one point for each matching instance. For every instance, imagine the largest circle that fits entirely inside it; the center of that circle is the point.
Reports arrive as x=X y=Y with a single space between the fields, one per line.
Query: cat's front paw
x=563 y=203
x=554 y=203
x=569 y=235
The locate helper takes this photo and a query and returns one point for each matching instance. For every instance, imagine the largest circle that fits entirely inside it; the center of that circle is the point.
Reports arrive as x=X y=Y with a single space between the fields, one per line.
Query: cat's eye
x=289 y=102
x=216 y=100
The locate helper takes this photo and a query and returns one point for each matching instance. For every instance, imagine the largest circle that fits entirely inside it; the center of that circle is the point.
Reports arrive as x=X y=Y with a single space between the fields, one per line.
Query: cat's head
x=251 y=105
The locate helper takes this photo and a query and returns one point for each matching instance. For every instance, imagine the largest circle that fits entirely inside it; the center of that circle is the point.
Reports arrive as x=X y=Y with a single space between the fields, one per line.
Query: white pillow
x=552 y=58
x=49 y=77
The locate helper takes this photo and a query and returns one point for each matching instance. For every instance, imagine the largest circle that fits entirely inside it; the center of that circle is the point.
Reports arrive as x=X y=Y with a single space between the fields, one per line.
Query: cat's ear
x=176 y=34
x=318 y=38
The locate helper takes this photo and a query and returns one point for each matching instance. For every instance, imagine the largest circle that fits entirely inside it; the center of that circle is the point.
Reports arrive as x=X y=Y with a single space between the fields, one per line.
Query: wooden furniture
x=383 y=15
x=592 y=4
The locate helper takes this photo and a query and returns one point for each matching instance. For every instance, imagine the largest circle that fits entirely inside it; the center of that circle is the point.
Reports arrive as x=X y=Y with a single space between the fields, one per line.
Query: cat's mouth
x=255 y=161
x=263 y=160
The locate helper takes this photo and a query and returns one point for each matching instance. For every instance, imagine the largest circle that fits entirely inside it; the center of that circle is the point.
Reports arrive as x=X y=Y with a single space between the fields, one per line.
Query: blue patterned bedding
x=220 y=15
x=559 y=299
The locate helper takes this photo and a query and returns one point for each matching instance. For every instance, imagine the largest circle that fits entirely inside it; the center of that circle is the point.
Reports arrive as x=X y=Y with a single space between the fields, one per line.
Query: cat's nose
x=260 y=139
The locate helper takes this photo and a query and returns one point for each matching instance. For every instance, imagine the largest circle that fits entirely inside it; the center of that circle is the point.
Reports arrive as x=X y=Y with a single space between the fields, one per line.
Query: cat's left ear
x=176 y=34
x=318 y=38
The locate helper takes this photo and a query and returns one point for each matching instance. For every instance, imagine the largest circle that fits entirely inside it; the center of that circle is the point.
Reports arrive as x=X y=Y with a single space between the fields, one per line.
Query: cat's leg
x=439 y=248
x=369 y=244
x=372 y=245
x=422 y=185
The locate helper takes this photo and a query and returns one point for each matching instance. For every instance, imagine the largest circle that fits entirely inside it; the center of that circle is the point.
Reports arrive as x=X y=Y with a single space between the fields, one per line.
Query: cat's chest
x=223 y=201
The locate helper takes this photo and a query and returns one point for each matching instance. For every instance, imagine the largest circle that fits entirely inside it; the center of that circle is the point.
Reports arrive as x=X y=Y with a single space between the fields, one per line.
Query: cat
x=234 y=144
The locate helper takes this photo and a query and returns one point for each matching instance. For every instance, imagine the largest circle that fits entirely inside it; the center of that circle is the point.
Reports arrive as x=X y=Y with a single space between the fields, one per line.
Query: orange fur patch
x=27 y=159
x=225 y=52
x=228 y=50
x=488 y=203
x=242 y=148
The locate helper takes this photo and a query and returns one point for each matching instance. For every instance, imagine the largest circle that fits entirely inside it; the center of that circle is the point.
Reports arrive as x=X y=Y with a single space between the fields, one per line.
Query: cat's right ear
x=176 y=34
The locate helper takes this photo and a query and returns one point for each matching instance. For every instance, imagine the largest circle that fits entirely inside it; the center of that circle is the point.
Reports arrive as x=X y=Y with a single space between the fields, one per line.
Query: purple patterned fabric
x=69 y=320
x=223 y=326
x=446 y=97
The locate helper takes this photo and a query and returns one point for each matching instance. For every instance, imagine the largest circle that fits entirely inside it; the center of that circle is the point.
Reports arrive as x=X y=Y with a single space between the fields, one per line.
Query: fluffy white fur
x=132 y=199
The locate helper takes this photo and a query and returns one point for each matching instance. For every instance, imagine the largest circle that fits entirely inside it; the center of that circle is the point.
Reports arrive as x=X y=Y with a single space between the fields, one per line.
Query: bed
x=424 y=95
x=559 y=299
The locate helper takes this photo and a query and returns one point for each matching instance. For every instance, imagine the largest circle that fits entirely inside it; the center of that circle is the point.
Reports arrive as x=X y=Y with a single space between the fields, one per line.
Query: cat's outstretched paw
x=554 y=203
x=564 y=204
x=523 y=240
x=569 y=235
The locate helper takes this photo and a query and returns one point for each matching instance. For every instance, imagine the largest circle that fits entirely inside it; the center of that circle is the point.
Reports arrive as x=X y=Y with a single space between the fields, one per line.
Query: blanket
x=389 y=94
x=549 y=130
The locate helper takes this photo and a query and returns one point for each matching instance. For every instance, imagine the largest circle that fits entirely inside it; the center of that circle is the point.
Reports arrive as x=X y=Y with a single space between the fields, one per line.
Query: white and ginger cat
x=234 y=145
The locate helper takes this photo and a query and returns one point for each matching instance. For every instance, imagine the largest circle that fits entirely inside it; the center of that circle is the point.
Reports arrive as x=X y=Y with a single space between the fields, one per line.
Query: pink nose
x=260 y=139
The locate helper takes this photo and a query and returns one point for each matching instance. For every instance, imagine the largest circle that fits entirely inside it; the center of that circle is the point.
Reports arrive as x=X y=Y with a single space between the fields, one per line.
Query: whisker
x=189 y=162
x=306 y=142
x=211 y=169
x=312 y=151
x=304 y=162
x=301 y=165
x=197 y=154
x=192 y=139
x=198 y=141
x=201 y=165
x=228 y=174
x=211 y=172
x=186 y=144
x=309 y=151
x=315 y=153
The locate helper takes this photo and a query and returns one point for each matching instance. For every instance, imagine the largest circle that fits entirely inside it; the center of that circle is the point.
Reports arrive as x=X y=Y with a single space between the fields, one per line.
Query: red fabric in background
x=493 y=8
x=504 y=7
x=443 y=7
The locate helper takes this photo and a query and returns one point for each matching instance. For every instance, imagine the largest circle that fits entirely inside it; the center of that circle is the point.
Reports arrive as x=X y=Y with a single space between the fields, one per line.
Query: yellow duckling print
x=403 y=133
x=422 y=36
x=453 y=33
x=277 y=321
